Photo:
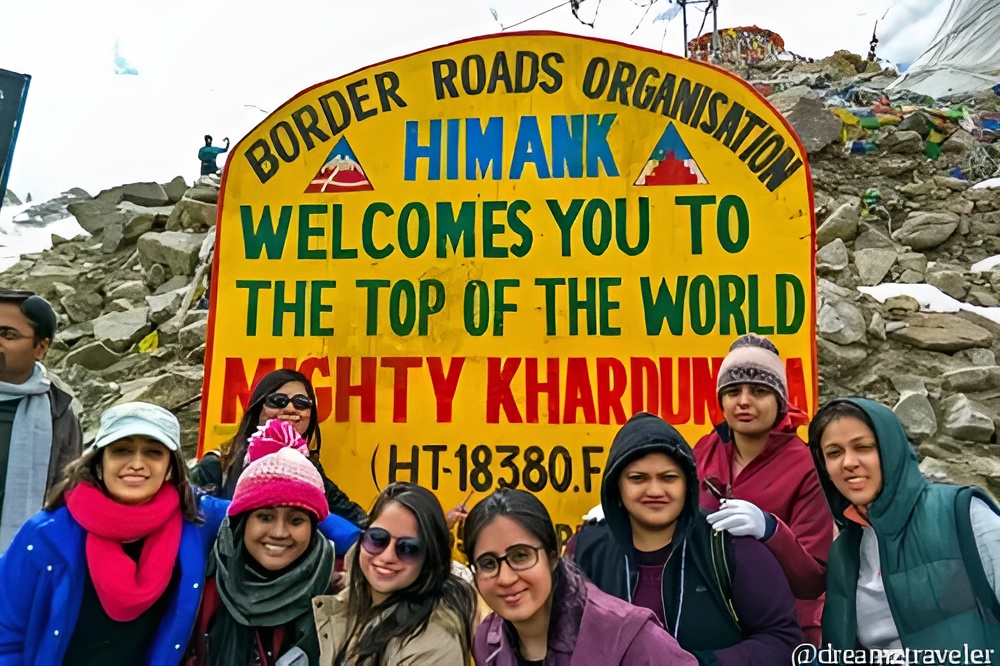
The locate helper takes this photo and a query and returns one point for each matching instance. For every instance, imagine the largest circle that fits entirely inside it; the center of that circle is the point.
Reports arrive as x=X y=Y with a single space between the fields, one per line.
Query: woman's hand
x=456 y=514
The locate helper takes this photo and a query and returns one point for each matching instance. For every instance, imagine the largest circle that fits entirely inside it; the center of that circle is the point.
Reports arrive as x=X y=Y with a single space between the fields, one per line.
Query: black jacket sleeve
x=340 y=504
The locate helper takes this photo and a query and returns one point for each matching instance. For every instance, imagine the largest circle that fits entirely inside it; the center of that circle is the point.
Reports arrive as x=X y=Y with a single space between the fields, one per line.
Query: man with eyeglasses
x=39 y=433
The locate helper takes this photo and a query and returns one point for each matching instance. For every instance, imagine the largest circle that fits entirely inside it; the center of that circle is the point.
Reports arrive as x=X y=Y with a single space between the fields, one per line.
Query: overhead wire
x=532 y=18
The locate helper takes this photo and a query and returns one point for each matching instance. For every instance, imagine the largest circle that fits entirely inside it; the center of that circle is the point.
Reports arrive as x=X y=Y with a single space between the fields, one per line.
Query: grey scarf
x=250 y=600
x=30 y=449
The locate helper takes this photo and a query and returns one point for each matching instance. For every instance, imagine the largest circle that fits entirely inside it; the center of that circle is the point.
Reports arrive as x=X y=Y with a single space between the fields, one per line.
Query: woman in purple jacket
x=544 y=610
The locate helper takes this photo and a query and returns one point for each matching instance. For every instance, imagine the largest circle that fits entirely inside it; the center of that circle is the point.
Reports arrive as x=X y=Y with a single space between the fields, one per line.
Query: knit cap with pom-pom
x=282 y=478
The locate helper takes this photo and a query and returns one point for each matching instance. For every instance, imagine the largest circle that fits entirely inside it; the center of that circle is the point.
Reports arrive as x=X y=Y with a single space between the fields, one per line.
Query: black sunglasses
x=376 y=539
x=280 y=401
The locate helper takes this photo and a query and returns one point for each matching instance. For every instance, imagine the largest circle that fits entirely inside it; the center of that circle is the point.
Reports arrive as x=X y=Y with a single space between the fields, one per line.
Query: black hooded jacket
x=698 y=611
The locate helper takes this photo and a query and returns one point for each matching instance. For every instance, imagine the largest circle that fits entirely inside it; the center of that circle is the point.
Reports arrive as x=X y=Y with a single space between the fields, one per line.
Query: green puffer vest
x=937 y=589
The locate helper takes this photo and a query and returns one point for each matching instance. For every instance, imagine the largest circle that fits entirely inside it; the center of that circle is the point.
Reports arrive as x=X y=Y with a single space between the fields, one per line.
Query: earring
x=100 y=474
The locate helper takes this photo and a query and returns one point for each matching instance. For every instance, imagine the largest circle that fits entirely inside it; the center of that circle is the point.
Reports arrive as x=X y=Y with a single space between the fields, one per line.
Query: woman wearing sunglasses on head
x=282 y=394
x=268 y=561
x=403 y=605
x=545 y=612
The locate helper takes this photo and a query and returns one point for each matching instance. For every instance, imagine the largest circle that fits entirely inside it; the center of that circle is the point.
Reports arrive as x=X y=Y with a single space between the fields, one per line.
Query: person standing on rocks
x=39 y=433
x=208 y=155
x=916 y=564
x=757 y=476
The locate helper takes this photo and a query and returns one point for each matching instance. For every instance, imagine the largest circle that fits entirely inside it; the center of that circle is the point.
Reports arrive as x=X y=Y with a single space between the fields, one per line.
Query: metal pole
x=715 y=30
x=684 y=16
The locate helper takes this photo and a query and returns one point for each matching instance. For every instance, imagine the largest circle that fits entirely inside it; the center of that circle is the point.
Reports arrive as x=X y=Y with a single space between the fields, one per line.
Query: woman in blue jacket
x=111 y=571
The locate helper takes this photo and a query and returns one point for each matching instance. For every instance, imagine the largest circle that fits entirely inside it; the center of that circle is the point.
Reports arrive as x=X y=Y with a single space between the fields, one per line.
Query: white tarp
x=963 y=57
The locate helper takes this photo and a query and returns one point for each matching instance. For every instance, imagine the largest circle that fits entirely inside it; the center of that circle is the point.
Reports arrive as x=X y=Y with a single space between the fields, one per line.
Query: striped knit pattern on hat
x=283 y=478
x=753 y=359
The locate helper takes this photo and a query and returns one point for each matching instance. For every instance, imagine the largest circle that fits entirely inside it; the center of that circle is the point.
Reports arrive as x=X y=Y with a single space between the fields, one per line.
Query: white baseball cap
x=139 y=418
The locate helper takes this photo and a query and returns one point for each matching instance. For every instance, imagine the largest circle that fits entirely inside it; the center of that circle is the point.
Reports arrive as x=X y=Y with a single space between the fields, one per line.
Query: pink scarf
x=127 y=588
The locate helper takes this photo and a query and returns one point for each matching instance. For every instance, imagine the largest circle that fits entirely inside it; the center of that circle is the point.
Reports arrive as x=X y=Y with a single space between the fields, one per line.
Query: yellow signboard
x=489 y=255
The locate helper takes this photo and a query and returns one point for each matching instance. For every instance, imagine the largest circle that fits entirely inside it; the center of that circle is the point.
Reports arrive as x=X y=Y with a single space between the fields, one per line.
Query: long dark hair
x=518 y=505
x=407 y=612
x=235 y=449
x=84 y=470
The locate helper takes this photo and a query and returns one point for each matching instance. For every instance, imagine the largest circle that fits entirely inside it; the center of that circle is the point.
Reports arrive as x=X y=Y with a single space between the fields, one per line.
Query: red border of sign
x=210 y=346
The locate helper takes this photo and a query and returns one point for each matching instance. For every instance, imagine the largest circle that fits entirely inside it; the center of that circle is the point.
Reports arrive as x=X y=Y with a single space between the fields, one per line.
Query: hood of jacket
x=902 y=482
x=643 y=434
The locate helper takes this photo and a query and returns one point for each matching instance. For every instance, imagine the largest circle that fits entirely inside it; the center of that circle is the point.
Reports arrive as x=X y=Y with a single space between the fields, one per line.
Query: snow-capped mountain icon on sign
x=340 y=173
x=671 y=163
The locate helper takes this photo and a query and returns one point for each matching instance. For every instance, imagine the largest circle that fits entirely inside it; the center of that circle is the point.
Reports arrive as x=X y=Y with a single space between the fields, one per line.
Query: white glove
x=739 y=518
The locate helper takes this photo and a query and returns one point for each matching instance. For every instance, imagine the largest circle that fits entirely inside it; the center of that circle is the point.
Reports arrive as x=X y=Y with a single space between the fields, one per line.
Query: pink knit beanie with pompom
x=282 y=477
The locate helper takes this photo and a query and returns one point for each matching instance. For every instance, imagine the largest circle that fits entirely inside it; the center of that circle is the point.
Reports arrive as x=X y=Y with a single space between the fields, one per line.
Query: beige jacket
x=440 y=644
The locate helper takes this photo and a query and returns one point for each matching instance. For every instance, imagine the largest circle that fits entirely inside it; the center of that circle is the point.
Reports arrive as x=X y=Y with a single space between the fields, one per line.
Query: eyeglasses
x=11 y=334
x=376 y=539
x=519 y=557
x=719 y=491
x=280 y=401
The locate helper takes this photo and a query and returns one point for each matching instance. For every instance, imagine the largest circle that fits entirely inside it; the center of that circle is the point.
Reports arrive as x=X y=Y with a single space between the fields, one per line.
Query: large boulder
x=120 y=330
x=963 y=419
x=193 y=335
x=961 y=142
x=942 y=332
x=912 y=261
x=839 y=358
x=832 y=257
x=140 y=219
x=903 y=142
x=874 y=264
x=82 y=306
x=42 y=278
x=93 y=356
x=842 y=224
x=96 y=214
x=816 y=126
x=133 y=291
x=923 y=231
x=175 y=189
x=841 y=322
x=144 y=194
x=950 y=282
x=919 y=122
x=167 y=390
x=871 y=238
x=203 y=193
x=191 y=214
x=972 y=379
x=164 y=306
x=174 y=249
x=916 y=413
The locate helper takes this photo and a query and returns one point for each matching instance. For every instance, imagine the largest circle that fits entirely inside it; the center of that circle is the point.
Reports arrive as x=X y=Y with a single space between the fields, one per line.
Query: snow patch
x=931 y=299
x=988 y=184
x=17 y=239
x=986 y=264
